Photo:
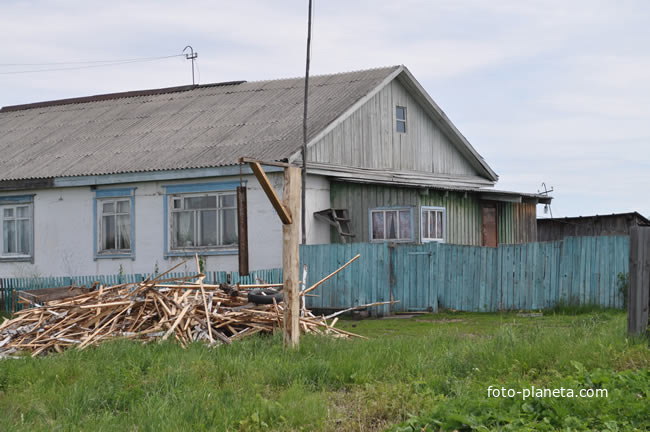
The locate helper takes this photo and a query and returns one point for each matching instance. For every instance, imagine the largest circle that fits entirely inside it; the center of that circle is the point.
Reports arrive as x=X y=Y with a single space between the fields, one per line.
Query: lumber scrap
x=154 y=310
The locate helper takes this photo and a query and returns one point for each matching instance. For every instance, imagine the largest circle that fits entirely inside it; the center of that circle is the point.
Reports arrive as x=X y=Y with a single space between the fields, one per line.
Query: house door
x=489 y=233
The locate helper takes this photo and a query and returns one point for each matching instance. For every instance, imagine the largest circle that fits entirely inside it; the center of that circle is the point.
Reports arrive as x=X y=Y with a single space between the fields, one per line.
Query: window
x=433 y=224
x=391 y=224
x=17 y=228
x=201 y=217
x=115 y=223
x=400 y=117
x=206 y=220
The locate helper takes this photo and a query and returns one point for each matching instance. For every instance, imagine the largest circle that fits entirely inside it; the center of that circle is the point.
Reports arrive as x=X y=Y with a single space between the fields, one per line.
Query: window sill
x=16 y=259
x=182 y=253
x=115 y=256
x=393 y=241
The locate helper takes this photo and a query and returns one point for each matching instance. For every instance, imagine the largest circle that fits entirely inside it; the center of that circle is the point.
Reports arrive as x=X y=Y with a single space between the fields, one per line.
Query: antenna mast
x=191 y=56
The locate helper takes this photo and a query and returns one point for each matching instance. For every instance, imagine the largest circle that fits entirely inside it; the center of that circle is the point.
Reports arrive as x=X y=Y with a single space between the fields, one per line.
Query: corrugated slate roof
x=185 y=127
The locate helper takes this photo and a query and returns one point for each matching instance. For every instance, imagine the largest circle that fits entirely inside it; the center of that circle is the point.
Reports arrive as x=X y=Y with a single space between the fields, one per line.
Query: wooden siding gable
x=366 y=136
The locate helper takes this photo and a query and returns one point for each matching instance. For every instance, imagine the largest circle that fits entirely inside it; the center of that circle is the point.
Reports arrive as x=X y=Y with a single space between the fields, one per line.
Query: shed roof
x=636 y=216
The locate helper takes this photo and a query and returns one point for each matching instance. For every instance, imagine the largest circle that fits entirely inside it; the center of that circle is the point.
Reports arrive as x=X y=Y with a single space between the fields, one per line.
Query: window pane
x=439 y=225
x=391 y=225
x=432 y=224
x=229 y=226
x=22 y=212
x=177 y=203
x=401 y=126
x=8 y=212
x=124 y=206
x=405 y=224
x=208 y=228
x=23 y=236
x=108 y=207
x=227 y=200
x=9 y=236
x=204 y=202
x=124 y=232
x=378 y=225
x=108 y=232
x=401 y=113
x=183 y=224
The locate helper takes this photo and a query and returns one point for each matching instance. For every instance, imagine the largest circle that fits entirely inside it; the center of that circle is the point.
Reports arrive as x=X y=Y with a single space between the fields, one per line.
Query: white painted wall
x=63 y=230
x=318 y=198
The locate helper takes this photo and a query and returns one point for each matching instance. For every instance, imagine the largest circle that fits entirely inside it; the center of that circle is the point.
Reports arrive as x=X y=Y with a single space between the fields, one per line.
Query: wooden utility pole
x=288 y=211
x=291 y=256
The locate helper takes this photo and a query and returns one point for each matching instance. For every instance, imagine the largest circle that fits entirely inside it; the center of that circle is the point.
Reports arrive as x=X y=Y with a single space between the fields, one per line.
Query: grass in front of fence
x=428 y=369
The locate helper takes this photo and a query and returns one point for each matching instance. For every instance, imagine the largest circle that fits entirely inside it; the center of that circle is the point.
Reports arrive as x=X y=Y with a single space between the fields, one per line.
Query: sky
x=553 y=92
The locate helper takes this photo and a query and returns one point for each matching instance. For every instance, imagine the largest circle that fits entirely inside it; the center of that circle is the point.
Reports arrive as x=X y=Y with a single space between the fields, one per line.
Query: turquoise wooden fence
x=578 y=270
x=366 y=280
x=9 y=286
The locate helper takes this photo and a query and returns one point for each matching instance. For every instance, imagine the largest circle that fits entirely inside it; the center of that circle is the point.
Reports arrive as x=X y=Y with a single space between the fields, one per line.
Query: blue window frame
x=201 y=218
x=17 y=222
x=394 y=224
x=114 y=228
x=433 y=224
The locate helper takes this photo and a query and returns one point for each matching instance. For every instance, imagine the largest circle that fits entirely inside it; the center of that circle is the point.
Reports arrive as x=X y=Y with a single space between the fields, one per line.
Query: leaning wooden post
x=291 y=256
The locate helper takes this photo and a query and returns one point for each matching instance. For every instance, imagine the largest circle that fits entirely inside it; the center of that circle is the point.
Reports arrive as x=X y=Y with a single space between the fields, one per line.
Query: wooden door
x=489 y=234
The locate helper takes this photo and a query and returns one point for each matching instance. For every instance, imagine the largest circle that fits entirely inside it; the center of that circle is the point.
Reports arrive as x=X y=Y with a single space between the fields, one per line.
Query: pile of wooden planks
x=185 y=309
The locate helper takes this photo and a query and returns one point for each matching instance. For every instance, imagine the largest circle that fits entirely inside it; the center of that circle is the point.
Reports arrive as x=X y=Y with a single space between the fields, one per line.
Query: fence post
x=639 y=285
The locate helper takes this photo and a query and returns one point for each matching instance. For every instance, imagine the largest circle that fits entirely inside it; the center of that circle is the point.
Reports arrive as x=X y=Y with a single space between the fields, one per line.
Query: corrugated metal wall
x=517 y=221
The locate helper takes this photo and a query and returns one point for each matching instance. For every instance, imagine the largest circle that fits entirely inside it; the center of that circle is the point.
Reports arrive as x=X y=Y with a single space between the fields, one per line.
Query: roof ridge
x=164 y=90
x=326 y=74
x=113 y=96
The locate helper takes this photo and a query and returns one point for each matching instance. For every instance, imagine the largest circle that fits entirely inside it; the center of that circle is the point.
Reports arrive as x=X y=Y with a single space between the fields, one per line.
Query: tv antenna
x=191 y=56
x=547 y=207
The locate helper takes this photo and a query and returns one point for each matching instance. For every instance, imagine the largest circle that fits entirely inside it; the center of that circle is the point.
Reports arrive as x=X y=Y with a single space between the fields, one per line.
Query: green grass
x=429 y=371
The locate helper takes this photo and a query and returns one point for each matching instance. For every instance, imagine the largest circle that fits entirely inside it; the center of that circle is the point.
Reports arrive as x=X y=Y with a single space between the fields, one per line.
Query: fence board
x=639 y=289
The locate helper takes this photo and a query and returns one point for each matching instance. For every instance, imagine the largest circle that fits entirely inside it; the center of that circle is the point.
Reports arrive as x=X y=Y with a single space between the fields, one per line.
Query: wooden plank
x=639 y=288
x=242 y=228
x=434 y=277
x=281 y=208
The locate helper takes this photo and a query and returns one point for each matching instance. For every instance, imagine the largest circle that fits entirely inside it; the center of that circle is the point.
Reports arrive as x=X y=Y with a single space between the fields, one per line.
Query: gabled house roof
x=188 y=127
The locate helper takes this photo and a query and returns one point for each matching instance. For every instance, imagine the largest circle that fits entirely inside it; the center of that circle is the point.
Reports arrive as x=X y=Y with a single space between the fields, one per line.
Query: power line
x=95 y=64
x=87 y=61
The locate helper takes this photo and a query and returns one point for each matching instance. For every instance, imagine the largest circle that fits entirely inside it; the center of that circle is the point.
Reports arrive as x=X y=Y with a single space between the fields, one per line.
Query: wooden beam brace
x=275 y=164
x=281 y=209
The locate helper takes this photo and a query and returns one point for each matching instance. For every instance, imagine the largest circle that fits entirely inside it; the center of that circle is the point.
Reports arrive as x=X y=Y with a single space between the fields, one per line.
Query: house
x=551 y=229
x=135 y=181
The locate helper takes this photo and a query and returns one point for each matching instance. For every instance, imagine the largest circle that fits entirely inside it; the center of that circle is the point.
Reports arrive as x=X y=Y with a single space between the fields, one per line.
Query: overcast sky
x=547 y=91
